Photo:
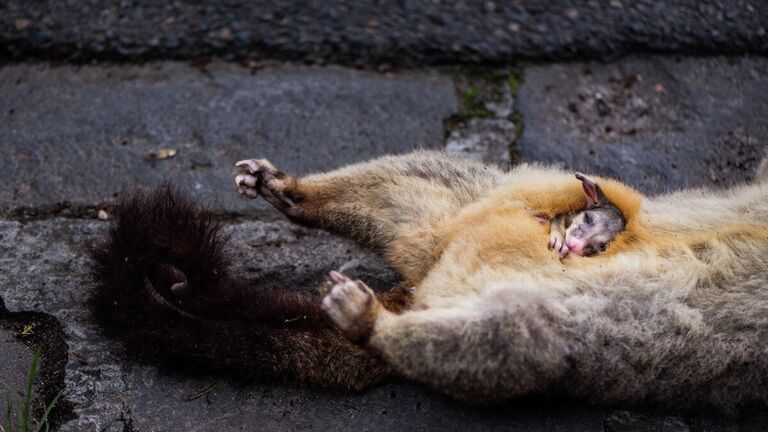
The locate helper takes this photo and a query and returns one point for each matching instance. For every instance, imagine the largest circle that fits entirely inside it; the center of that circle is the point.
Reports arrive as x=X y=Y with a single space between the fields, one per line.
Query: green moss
x=10 y=216
x=517 y=119
x=474 y=101
x=470 y=96
x=461 y=118
x=479 y=85
x=514 y=80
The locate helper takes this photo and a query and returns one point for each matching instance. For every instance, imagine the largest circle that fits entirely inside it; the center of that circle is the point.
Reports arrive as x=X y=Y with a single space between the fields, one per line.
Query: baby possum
x=586 y=232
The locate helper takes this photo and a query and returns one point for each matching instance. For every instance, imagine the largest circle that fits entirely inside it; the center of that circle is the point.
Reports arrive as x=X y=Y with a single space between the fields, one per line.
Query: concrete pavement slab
x=658 y=123
x=82 y=133
x=73 y=137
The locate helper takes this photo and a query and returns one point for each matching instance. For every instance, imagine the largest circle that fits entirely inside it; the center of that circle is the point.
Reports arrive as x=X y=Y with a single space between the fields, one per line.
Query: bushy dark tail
x=164 y=289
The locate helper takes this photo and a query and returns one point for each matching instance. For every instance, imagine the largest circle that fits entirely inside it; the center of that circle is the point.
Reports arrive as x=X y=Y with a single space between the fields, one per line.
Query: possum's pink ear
x=592 y=192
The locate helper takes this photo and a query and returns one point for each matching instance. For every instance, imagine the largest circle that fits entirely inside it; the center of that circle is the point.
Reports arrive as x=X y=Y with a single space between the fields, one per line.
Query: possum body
x=673 y=312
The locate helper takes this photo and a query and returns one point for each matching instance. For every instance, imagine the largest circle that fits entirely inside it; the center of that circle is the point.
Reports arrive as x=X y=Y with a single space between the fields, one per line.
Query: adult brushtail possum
x=673 y=311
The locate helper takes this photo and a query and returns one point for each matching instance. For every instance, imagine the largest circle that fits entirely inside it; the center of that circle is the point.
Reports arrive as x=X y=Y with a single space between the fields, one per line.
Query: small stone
x=163 y=153
x=21 y=24
x=225 y=34
x=103 y=215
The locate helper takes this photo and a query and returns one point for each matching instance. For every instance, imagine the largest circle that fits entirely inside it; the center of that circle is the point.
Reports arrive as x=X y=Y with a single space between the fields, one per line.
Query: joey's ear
x=592 y=191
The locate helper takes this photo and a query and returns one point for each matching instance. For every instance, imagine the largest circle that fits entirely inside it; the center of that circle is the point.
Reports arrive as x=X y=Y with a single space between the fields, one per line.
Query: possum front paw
x=352 y=306
x=557 y=244
x=258 y=177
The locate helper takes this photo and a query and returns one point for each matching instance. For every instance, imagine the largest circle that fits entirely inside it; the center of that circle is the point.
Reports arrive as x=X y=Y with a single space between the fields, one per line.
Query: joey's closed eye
x=587 y=218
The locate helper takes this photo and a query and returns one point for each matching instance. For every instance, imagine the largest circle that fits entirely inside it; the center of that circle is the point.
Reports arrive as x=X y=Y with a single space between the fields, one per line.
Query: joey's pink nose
x=576 y=246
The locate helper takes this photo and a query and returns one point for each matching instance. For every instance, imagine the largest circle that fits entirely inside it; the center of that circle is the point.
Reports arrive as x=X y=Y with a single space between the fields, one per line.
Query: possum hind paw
x=352 y=306
x=258 y=177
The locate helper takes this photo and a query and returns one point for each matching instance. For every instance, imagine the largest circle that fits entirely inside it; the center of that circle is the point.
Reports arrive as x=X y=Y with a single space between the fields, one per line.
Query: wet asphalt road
x=376 y=33
x=76 y=135
x=73 y=135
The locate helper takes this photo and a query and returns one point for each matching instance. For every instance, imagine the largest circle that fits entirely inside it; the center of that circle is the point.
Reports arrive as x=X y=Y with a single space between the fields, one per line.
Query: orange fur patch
x=503 y=230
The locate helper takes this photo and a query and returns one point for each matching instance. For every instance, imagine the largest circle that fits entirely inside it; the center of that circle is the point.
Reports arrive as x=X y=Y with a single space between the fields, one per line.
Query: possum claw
x=337 y=277
x=557 y=244
x=246 y=180
x=258 y=177
x=252 y=165
x=256 y=166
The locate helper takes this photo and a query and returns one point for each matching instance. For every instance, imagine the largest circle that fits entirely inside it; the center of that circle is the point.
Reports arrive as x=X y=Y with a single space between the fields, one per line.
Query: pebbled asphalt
x=77 y=134
x=659 y=123
x=73 y=136
x=376 y=33
x=91 y=130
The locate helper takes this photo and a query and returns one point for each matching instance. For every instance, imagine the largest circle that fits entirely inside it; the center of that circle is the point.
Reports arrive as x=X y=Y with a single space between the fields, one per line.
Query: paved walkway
x=74 y=136
x=374 y=33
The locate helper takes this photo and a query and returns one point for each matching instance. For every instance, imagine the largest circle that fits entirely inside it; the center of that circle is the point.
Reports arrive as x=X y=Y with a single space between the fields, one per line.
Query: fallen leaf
x=28 y=330
x=21 y=24
x=163 y=153
x=202 y=391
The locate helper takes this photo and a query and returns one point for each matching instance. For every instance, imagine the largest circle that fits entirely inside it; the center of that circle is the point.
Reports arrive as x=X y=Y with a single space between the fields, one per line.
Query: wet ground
x=74 y=135
x=376 y=33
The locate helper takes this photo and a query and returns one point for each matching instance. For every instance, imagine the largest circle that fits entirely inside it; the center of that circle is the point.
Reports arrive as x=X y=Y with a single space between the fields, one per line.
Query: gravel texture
x=15 y=359
x=373 y=33
x=74 y=137
x=656 y=122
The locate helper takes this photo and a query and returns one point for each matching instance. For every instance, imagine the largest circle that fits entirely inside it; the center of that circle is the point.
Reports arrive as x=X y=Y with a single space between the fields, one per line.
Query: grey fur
x=678 y=316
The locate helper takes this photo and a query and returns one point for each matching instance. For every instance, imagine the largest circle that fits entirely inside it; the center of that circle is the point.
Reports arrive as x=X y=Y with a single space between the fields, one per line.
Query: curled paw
x=557 y=244
x=258 y=177
x=351 y=305
x=253 y=174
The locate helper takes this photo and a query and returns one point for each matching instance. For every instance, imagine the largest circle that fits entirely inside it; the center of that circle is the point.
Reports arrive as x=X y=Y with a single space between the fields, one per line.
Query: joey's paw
x=258 y=177
x=352 y=306
x=557 y=244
